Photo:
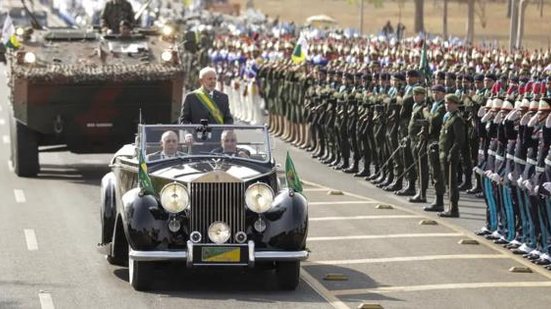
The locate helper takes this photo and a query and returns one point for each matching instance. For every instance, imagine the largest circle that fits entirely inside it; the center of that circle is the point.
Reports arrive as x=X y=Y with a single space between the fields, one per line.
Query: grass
x=537 y=30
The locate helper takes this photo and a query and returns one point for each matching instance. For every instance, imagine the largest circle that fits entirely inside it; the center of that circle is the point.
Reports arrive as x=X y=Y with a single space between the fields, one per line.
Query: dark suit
x=193 y=110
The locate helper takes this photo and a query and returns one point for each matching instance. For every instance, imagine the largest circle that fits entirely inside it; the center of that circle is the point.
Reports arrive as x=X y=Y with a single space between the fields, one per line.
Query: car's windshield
x=164 y=142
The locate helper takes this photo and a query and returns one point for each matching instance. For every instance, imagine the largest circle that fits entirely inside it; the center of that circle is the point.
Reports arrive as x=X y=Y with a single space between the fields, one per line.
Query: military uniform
x=450 y=144
x=114 y=12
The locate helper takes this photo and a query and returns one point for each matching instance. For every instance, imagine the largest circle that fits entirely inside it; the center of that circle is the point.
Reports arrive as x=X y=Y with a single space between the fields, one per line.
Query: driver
x=169 y=147
x=228 y=141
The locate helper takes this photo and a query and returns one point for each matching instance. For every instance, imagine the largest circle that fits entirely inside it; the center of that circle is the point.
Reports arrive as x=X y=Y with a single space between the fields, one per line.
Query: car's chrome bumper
x=186 y=255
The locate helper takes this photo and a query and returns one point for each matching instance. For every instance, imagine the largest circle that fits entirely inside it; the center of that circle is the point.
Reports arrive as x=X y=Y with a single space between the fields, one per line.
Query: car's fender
x=286 y=222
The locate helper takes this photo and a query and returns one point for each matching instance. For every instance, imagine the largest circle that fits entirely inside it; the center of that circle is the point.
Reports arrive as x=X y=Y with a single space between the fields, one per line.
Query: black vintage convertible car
x=206 y=206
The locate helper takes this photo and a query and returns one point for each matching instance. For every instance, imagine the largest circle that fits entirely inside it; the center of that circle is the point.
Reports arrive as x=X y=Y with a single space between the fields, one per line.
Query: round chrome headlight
x=166 y=56
x=219 y=232
x=174 y=197
x=259 y=197
x=29 y=57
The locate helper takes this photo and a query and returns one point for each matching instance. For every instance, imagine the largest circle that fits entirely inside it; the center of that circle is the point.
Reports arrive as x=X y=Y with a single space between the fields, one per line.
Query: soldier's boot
x=437 y=205
x=420 y=197
x=272 y=123
x=453 y=212
x=337 y=160
x=409 y=190
x=381 y=178
x=279 y=129
x=295 y=134
x=319 y=151
x=373 y=174
x=303 y=141
x=467 y=183
x=388 y=180
x=366 y=171
x=342 y=164
x=287 y=131
x=395 y=185
x=477 y=188
x=328 y=156
x=352 y=169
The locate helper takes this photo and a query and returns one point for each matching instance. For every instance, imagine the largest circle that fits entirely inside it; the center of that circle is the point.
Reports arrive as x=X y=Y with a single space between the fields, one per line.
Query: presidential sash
x=210 y=105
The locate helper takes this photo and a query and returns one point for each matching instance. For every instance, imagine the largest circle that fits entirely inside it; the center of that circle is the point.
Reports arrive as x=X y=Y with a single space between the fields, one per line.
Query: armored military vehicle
x=86 y=92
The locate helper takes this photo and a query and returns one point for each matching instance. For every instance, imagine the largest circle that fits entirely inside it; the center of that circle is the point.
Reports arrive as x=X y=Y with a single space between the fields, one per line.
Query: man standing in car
x=206 y=102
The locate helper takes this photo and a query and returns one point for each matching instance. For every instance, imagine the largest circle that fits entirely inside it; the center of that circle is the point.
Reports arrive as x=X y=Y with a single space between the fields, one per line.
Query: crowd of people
x=406 y=114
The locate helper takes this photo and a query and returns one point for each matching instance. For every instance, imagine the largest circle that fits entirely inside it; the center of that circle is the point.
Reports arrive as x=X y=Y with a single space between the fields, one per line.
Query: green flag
x=424 y=63
x=291 y=175
x=143 y=177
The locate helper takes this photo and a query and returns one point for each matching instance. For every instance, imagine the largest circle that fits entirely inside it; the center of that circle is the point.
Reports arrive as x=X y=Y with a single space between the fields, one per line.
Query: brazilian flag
x=291 y=175
x=143 y=177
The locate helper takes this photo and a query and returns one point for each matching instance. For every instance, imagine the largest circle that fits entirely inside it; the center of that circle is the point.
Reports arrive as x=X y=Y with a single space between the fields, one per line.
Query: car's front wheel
x=288 y=274
x=139 y=274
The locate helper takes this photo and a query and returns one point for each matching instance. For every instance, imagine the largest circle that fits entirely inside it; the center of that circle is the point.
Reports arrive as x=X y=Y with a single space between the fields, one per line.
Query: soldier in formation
x=410 y=116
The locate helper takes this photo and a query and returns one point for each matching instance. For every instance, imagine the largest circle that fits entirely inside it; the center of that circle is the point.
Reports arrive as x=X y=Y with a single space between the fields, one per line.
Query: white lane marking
x=10 y=167
x=446 y=286
x=322 y=291
x=30 y=237
x=342 y=202
x=46 y=301
x=384 y=236
x=19 y=196
x=364 y=217
x=5 y=139
x=2 y=121
x=314 y=189
x=409 y=259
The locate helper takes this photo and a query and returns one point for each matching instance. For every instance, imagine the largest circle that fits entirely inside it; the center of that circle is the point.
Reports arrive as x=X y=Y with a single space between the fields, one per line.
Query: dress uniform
x=450 y=143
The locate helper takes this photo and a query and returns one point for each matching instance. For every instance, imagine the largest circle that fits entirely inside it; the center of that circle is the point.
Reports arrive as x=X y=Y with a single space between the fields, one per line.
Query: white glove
x=528 y=186
x=488 y=117
x=547 y=186
x=488 y=174
x=498 y=118
x=478 y=170
x=534 y=121
x=548 y=121
x=526 y=118
x=520 y=183
x=513 y=115
x=481 y=111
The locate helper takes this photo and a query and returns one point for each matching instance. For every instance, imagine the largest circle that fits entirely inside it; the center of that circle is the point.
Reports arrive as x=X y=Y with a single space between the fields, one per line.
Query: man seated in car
x=228 y=141
x=169 y=147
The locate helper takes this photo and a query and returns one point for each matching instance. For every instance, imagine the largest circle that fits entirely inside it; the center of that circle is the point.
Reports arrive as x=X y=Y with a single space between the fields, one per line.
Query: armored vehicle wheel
x=24 y=149
x=288 y=275
x=139 y=274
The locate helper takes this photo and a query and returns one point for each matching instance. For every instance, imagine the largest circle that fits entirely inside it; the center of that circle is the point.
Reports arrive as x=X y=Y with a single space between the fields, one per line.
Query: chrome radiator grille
x=211 y=202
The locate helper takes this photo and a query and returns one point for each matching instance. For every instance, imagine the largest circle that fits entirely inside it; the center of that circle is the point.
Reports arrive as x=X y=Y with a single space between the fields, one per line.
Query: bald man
x=169 y=147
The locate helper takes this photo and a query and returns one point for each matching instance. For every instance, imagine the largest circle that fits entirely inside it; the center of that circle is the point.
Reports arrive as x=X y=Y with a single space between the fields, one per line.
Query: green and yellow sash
x=210 y=105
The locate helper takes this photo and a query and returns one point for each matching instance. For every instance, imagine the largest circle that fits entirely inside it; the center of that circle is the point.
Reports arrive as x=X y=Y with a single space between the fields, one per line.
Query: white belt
x=539 y=169
x=510 y=156
x=500 y=158
x=519 y=160
x=480 y=151
x=491 y=153
x=547 y=162
x=531 y=161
